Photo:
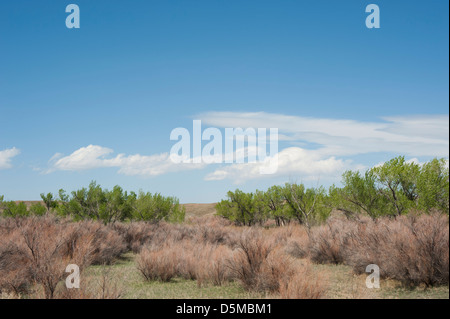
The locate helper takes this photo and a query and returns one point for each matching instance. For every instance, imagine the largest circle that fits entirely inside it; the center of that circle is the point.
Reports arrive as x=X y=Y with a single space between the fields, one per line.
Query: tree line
x=96 y=203
x=391 y=189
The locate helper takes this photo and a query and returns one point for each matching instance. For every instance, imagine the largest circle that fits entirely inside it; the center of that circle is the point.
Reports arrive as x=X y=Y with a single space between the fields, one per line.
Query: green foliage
x=117 y=205
x=391 y=189
x=396 y=182
x=2 y=203
x=37 y=209
x=49 y=201
x=13 y=209
x=260 y=210
x=433 y=186
x=238 y=208
x=307 y=204
x=358 y=195
x=20 y=209
x=394 y=188
x=155 y=208
x=276 y=203
x=279 y=203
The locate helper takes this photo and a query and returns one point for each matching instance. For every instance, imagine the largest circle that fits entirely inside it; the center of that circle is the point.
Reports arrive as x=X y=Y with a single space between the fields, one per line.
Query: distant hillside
x=200 y=209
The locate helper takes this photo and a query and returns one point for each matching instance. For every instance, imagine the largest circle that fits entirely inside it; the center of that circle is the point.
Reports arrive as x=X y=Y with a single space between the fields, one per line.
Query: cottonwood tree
x=397 y=182
x=238 y=208
x=307 y=204
x=358 y=195
x=276 y=204
x=433 y=186
x=49 y=201
x=155 y=207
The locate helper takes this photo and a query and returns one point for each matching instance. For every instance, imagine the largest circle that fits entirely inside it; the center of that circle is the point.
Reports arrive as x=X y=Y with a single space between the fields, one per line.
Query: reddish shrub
x=328 y=243
x=303 y=285
x=157 y=264
x=246 y=264
x=37 y=250
x=413 y=250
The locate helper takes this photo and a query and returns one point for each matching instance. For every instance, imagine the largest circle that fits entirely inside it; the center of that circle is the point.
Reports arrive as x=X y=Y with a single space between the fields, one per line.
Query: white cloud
x=6 y=156
x=333 y=140
x=94 y=156
x=411 y=136
x=414 y=136
x=303 y=164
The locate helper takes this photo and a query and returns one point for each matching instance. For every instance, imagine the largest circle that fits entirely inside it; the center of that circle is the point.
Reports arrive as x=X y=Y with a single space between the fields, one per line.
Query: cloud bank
x=95 y=156
x=333 y=140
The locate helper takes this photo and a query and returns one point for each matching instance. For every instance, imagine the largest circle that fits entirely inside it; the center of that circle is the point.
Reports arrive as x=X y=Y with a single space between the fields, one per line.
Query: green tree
x=276 y=204
x=155 y=208
x=13 y=209
x=38 y=209
x=115 y=206
x=260 y=210
x=307 y=204
x=397 y=182
x=433 y=186
x=238 y=208
x=358 y=195
x=49 y=201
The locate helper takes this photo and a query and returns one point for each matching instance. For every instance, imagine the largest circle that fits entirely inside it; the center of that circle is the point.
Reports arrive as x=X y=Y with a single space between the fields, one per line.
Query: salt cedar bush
x=15 y=276
x=157 y=264
x=294 y=238
x=304 y=284
x=253 y=251
x=135 y=234
x=188 y=260
x=219 y=273
x=204 y=262
x=107 y=244
x=212 y=266
x=93 y=288
x=275 y=269
x=413 y=250
x=261 y=264
x=39 y=242
x=138 y=234
x=329 y=243
x=36 y=251
x=211 y=234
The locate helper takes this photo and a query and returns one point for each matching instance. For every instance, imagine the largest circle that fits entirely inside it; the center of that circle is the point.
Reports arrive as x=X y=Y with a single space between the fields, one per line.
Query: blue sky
x=343 y=96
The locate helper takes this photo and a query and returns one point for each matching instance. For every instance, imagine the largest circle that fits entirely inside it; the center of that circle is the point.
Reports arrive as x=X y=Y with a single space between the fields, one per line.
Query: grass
x=125 y=273
x=343 y=284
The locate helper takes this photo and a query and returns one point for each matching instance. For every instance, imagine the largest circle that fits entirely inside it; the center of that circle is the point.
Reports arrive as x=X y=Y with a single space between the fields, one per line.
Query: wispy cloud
x=334 y=140
x=6 y=156
x=95 y=156
x=409 y=135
